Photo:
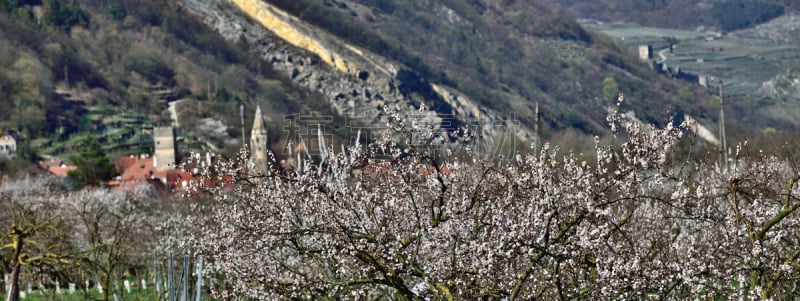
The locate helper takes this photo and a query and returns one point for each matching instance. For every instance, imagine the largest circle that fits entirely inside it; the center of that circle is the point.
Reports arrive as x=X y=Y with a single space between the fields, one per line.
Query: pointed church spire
x=258 y=123
x=258 y=142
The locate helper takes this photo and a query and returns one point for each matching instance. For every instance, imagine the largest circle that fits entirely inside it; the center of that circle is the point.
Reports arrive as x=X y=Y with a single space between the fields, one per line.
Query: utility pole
x=536 y=130
x=241 y=113
x=723 y=141
x=66 y=76
x=208 y=89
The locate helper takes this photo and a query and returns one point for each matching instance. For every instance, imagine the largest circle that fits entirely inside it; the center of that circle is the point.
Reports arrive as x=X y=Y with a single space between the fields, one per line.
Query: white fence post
x=185 y=279
x=158 y=279
x=171 y=276
x=199 y=284
x=98 y=285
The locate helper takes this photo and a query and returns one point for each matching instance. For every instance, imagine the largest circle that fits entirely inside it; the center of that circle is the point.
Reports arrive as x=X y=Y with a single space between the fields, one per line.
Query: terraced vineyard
x=759 y=66
x=742 y=62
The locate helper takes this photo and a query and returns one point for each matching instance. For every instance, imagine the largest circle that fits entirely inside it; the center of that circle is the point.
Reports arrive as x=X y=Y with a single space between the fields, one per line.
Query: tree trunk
x=107 y=289
x=16 y=267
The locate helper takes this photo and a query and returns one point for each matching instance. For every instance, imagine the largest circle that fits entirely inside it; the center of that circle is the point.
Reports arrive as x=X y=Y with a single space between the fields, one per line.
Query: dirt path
x=173 y=112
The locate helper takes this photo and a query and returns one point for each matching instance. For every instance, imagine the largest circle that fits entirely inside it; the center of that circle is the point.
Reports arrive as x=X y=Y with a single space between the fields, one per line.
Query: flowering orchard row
x=636 y=224
x=54 y=234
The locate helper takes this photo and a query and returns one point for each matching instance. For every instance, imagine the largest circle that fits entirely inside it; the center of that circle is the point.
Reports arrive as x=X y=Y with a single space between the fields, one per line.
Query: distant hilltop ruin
x=658 y=63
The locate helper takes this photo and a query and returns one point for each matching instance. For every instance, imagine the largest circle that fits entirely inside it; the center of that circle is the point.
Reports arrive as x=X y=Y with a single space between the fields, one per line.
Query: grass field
x=135 y=295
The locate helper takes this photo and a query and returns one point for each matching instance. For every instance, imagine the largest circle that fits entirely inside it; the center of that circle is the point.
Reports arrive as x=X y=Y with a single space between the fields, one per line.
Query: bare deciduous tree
x=33 y=241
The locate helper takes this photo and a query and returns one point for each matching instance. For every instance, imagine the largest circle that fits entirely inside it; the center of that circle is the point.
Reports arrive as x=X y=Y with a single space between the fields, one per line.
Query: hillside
x=507 y=55
x=112 y=68
x=759 y=68
x=723 y=15
x=497 y=57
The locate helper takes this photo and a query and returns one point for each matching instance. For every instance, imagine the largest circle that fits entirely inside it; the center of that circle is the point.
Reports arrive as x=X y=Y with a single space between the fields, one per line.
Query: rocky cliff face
x=355 y=81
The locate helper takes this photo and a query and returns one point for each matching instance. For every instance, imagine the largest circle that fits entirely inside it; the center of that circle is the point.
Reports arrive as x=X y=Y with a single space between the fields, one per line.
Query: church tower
x=165 y=148
x=258 y=143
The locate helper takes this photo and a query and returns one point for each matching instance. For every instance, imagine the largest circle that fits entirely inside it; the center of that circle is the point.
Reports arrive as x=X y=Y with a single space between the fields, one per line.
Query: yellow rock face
x=280 y=23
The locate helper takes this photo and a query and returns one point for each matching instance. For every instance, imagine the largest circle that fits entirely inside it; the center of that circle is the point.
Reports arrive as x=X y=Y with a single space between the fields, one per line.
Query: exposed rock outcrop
x=356 y=82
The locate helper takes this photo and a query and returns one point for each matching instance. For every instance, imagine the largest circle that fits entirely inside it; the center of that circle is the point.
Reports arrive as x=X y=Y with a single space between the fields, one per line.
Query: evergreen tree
x=65 y=16
x=610 y=89
x=93 y=165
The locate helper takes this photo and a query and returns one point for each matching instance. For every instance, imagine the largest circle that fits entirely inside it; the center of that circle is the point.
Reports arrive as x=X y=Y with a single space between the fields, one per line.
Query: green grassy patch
x=136 y=294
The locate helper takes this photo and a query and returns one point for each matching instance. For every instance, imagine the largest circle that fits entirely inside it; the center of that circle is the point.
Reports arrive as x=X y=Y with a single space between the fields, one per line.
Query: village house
x=8 y=145
x=135 y=171
x=162 y=171
x=142 y=170
x=56 y=167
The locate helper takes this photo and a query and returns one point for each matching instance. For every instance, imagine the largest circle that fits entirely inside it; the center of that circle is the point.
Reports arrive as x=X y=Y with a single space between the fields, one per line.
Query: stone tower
x=645 y=52
x=165 y=148
x=258 y=143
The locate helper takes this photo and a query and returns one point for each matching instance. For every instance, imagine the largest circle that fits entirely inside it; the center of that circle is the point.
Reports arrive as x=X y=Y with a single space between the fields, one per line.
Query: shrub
x=63 y=16
x=116 y=11
x=150 y=67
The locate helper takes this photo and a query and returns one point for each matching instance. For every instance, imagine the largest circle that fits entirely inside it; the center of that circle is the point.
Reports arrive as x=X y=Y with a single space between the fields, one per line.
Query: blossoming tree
x=53 y=233
x=418 y=222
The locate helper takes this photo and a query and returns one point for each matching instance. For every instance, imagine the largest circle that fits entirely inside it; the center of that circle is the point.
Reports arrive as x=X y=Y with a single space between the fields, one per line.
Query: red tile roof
x=134 y=168
x=57 y=167
x=140 y=170
x=132 y=185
